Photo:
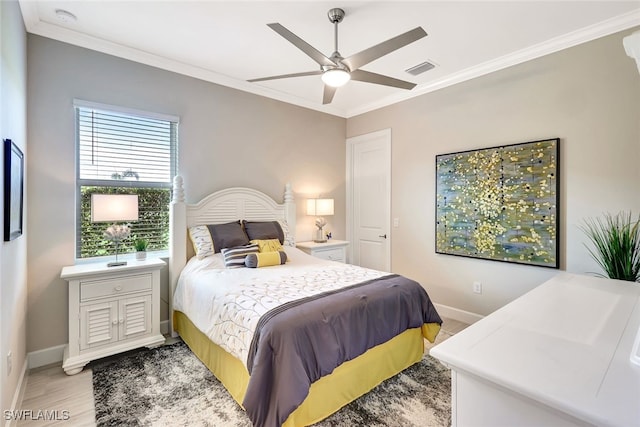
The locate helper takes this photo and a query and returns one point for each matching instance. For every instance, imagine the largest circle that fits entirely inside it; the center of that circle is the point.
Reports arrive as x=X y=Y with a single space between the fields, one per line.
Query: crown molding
x=586 y=34
x=34 y=25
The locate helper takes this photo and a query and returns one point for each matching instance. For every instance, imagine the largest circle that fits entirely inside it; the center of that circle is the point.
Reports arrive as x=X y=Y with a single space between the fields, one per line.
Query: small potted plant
x=141 y=248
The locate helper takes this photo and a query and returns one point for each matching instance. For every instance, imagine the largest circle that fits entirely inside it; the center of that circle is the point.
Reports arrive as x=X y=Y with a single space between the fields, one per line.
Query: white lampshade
x=114 y=207
x=336 y=77
x=320 y=207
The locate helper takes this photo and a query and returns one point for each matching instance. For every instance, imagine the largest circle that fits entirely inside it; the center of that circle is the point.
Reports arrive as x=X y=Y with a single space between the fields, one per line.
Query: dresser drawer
x=115 y=286
x=336 y=254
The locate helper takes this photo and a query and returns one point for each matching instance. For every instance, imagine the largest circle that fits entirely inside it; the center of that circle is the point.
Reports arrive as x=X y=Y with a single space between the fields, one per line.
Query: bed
x=289 y=354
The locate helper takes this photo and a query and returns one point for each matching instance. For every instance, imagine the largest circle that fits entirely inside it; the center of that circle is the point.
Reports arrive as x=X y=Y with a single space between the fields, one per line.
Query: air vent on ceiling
x=65 y=16
x=420 y=68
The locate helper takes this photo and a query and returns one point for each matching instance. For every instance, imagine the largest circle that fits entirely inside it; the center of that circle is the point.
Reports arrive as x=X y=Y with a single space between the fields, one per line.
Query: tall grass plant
x=616 y=245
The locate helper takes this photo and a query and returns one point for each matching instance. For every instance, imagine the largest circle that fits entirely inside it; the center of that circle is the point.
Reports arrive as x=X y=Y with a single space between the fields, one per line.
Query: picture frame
x=13 y=190
x=500 y=203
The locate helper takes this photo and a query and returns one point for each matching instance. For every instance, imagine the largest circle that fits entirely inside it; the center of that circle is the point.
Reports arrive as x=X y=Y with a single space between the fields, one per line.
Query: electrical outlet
x=477 y=287
x=9 y=364
x=396 y=222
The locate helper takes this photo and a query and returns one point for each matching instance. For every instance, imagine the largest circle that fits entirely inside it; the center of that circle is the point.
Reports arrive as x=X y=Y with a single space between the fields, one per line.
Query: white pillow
x=202 y=241
x=289 y=240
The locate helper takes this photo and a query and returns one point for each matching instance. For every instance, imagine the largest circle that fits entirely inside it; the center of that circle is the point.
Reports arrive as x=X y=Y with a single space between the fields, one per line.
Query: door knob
x=384 y=236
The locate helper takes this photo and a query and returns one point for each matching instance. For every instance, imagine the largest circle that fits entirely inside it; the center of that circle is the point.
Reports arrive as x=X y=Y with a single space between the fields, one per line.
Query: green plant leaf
x=616 y=245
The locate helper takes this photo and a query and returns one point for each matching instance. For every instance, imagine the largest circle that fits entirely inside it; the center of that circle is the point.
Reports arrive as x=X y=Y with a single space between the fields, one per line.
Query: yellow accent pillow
x=265 y=259
x=269 y=245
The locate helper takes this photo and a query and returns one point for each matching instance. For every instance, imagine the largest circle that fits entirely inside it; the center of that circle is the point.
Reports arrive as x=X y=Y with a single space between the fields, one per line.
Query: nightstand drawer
x=336 y=254
x=116 y=286
x=332 y=250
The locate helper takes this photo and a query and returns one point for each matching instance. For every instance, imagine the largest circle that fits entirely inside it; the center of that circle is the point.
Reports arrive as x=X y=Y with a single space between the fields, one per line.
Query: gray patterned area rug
x=169 y=386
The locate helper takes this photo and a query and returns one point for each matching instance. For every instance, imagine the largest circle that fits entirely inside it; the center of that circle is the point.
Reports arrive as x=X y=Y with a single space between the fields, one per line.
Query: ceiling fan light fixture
x=336 y=77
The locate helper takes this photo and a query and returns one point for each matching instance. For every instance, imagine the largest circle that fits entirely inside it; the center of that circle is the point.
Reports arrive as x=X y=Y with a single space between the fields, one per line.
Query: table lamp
x=320 y=208
x=115 y=208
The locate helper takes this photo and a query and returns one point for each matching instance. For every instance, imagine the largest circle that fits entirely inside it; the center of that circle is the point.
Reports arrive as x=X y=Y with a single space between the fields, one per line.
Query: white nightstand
x=111 y=310
x=332 y=250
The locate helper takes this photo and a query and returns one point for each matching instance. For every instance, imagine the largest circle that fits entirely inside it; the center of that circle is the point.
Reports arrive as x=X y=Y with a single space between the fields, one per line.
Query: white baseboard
x=16 y=403
x=45 y=356
x=51 y=355
x=457 y=314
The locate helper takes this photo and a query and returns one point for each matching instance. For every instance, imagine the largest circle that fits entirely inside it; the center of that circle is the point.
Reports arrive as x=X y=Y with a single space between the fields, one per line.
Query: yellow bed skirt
x=346 y=383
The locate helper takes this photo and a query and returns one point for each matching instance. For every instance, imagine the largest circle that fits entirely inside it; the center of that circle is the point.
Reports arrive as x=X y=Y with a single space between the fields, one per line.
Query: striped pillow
x=234 y=257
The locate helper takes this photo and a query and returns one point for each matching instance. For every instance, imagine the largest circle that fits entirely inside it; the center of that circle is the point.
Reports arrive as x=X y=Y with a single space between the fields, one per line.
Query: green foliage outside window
x=152 y=224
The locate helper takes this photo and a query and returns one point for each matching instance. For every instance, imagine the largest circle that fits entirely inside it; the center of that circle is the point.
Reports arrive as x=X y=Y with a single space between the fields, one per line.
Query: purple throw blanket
x=304 y=340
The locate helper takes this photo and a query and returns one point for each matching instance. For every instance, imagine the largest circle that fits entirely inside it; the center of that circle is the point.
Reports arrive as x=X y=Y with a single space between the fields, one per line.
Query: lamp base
x=117 y=264
x=319 y=236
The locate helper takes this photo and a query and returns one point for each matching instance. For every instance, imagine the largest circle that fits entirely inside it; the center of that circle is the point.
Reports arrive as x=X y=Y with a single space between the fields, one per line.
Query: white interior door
x=369 y=199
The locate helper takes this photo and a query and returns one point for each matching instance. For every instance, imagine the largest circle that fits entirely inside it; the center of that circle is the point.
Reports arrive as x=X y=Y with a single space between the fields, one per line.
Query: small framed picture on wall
x=13 y=190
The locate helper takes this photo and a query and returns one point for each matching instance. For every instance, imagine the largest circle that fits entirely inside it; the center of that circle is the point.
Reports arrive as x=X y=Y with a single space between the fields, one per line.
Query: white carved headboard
x=226 y=205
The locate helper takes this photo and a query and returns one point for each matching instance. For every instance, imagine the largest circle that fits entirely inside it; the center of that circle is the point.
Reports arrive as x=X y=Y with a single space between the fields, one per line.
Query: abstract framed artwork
x=13 y=190
x=500 y=203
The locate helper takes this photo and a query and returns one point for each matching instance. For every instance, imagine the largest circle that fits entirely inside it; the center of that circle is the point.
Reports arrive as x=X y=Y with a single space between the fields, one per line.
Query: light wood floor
x=49 y=388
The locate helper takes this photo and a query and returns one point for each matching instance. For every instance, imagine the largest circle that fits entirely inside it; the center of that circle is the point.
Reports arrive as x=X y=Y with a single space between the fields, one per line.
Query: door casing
x=382 y=137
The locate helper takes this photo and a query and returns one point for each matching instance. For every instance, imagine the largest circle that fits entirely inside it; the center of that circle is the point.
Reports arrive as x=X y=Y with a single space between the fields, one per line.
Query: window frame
x=79 y=183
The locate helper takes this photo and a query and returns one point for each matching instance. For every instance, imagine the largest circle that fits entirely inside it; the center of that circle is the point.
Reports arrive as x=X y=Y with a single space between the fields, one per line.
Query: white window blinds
x=120 y=146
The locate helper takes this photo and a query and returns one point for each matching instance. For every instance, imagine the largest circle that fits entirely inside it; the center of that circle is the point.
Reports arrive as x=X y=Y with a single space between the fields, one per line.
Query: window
x=123 y=151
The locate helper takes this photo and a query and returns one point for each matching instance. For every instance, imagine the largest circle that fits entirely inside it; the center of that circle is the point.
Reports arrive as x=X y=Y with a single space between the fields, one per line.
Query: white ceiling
x=228 y=42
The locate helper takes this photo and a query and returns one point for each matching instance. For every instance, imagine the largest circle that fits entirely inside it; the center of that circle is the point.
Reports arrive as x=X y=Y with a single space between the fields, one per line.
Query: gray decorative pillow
x=235 y=257
x=263 y=230
x=227 y=235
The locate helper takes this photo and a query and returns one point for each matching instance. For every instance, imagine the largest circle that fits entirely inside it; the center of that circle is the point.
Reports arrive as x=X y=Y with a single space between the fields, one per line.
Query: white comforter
x=226 y=304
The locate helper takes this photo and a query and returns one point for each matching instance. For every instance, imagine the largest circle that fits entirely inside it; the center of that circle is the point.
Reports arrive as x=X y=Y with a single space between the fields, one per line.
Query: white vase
x=141 y=255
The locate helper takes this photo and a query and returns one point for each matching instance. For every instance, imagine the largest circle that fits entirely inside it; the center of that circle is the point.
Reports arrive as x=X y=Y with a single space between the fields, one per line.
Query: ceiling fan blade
x=329 y=91
x=379 y=79
x=311 y=51
x=286 y=76
x=368 y=55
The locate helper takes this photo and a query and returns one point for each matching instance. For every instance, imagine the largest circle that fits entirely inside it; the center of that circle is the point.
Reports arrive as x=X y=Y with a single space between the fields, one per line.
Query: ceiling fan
x=336 y=71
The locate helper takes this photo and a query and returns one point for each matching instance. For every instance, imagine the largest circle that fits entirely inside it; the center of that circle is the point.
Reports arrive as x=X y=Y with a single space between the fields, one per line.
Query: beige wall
x=589 y=96
x=227 y=138
x=13 y=255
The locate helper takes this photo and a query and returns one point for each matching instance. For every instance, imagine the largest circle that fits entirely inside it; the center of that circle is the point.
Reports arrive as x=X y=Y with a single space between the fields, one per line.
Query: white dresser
x=111 y=310
x=332 y=250
x=557 y=356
